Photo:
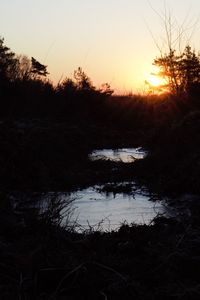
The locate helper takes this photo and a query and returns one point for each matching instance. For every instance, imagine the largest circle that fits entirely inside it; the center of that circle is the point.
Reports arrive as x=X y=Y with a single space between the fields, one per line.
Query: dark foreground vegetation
x=46 y=134
x=40 y=260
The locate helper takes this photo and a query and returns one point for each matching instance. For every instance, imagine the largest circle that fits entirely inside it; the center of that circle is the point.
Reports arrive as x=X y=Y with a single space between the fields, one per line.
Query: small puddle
x=106 y=207
x=126 y=155
x=96 y=208
x=101 y=207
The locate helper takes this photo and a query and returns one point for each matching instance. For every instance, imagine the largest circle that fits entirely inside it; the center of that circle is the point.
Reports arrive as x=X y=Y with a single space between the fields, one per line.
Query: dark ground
x=41 y=260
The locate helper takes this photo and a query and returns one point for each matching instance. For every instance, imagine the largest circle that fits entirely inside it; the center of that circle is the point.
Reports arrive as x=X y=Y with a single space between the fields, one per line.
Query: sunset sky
x=109 y=39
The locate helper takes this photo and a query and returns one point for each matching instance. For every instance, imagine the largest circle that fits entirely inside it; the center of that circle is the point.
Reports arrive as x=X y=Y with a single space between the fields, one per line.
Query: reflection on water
x=125 y=155
x=108 y=206
x=91 y=206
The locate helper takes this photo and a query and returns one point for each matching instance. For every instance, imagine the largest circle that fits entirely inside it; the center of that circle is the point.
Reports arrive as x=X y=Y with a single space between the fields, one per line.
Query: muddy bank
x=173 y=163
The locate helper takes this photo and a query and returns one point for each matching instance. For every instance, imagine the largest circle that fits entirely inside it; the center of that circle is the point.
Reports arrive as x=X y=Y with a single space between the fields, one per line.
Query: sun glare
x=154 y=81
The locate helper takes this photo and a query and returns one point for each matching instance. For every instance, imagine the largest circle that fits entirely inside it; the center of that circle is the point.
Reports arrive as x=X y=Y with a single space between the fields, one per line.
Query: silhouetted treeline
x=26 y=92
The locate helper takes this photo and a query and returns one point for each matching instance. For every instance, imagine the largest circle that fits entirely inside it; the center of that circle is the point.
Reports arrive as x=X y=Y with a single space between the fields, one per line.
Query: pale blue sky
x=109 y=39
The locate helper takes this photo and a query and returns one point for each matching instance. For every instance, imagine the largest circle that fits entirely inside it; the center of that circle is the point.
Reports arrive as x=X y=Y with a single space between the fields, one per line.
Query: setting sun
x=154 y=81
